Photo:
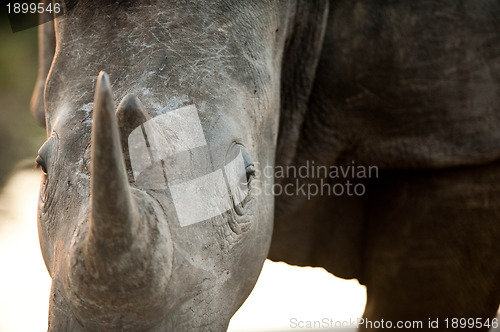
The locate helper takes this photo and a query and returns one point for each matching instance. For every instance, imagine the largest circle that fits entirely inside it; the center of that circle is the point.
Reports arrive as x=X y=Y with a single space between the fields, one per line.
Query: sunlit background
x=282 y=293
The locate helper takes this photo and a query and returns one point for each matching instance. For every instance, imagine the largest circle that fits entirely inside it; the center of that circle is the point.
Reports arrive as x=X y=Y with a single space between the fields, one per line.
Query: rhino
x=152 y=211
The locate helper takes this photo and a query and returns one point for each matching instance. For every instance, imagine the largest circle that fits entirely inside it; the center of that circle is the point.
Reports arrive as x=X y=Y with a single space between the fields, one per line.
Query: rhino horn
x=130 y=115
x=113 y=214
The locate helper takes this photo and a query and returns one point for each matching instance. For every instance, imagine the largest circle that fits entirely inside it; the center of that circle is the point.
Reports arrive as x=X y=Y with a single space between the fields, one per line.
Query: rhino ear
x=46 y=50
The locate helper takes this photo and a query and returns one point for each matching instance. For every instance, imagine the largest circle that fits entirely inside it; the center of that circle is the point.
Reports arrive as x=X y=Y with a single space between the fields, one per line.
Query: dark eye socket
x=40 y=163
x=250 y=166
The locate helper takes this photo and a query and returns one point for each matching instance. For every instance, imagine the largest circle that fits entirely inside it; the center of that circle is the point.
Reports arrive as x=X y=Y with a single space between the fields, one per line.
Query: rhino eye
x=249 y=165
x=250 y=170
x=40 y=163
x=44 y=160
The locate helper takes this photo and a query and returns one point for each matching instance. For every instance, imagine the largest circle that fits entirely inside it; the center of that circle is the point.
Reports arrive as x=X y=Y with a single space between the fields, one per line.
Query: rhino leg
x=432 y=245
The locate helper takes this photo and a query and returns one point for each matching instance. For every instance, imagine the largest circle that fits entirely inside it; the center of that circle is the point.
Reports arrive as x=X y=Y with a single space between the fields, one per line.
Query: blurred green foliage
x=20 y=137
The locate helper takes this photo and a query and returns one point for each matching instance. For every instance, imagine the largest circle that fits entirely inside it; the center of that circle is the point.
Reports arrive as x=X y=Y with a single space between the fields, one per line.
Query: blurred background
x=20 y=137
x=283 y=292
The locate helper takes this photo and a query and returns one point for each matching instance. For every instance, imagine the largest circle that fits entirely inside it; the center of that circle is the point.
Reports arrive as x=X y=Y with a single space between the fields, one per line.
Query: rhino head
x=150 y=213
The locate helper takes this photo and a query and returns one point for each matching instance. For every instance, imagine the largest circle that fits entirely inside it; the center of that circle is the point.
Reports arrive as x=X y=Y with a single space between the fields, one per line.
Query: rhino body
x=152 y=215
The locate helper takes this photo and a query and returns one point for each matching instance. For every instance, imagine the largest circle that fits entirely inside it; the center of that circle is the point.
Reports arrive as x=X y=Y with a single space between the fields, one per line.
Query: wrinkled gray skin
x=118 y=258
x=410 y=87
